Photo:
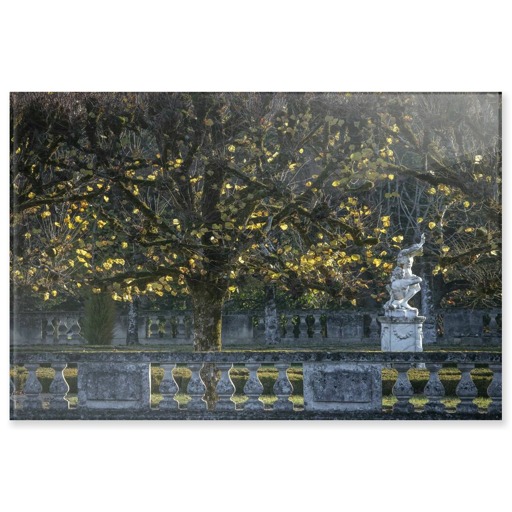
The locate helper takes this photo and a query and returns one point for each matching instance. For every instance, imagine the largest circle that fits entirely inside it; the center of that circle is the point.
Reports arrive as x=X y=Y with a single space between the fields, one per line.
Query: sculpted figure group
x=404 y=284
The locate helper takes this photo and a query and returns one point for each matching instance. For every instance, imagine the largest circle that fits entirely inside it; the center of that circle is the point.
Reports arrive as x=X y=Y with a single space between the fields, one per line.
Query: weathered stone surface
x=401 y=334
x=94 y=355
x=342 y=387
x=113 y=386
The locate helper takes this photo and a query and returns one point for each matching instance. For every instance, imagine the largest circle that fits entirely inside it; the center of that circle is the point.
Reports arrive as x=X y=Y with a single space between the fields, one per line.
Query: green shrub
x=99 y=319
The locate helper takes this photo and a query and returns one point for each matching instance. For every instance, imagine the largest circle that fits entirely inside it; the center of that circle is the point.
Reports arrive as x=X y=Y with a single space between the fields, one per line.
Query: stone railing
x=296 y=328
x=334 y=385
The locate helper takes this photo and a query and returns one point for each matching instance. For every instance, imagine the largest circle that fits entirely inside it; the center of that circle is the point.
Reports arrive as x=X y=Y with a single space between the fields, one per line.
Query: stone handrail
x=336 y=385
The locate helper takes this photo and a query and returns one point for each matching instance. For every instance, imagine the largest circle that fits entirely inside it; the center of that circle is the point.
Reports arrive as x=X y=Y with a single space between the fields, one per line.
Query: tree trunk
x=427 y=304
x=207 y=301
x=132 y=333
x=271 y=319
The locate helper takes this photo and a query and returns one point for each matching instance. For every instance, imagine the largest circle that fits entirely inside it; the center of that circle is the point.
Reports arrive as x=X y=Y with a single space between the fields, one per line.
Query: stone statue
x=404 y=284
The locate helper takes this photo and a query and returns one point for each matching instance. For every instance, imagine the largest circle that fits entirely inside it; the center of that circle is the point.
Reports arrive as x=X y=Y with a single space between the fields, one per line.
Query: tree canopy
x=171 y=193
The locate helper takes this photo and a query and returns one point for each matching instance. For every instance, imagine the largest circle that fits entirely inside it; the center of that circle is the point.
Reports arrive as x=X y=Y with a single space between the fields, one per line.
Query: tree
x=446 y=167
x=182 y=192
x=194 y=193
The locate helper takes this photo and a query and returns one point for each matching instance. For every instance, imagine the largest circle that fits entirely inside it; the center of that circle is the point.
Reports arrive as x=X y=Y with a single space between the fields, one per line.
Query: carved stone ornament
x=404 y=284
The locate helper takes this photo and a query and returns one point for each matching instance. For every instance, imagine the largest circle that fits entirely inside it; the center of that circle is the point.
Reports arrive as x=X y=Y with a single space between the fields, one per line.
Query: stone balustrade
x=119 y=384
x=297 y=328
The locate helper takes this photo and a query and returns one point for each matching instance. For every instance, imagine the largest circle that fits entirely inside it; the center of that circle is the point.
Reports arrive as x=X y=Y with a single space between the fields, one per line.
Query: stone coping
x=20 y=356
x=234 y=415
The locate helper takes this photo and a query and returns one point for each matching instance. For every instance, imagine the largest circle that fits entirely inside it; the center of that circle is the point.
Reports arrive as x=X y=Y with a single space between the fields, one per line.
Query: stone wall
x=113 y=384
x=297 y=328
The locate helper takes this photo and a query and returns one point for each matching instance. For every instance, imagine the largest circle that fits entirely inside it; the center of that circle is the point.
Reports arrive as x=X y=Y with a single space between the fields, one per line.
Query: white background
x=273 y=46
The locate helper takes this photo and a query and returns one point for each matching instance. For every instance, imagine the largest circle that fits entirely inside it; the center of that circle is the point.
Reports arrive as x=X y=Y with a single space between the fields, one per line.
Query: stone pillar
x=401 y=334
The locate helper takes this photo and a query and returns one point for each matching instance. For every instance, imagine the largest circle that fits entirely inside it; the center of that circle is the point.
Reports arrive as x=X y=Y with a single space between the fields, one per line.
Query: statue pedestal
x=402 y=331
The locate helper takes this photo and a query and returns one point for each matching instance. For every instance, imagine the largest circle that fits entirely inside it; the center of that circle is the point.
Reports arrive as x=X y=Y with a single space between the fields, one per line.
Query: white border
x=228 y=45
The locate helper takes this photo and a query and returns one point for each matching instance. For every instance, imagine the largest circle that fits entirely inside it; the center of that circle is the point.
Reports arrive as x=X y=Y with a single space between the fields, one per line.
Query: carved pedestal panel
x=401 y=334
x=113 y=385
x=342 y=387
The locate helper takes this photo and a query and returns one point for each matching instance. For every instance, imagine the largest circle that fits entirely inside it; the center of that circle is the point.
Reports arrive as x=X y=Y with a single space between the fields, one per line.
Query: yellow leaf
x=431 y=191
x=377 y=262
x=231 y=148
x=46 y=296
x=232 y=288
x=96 y=290
x=391 y=177
x=45 y=214
x=445 y=248
x=105 y=198
x=283 y=226
x=431 y=225
x=124 y=245
x=466 y=204
x=54 y=293
x=308 y=183
x=419 y=220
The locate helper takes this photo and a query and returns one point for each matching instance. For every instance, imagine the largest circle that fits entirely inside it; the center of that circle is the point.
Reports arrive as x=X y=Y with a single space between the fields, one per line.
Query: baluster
x=303 y=326
x=12 y=385
x=179 y=326
x=285 y=327
x=168 y=388
x=187 y=322
x=225 y=388
x=317 y=327
x=493 y=324
x=253 y=388
x=434 y=389
x=49 y=331
x=153 y=327
x=494 y=389
x=466 y=390
x=75 y=329
x=283 y=389
x=403 y=389
x=196 y=389
x=33 y=388
x=61 y=330
x=59 y=388
x=374 y=327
